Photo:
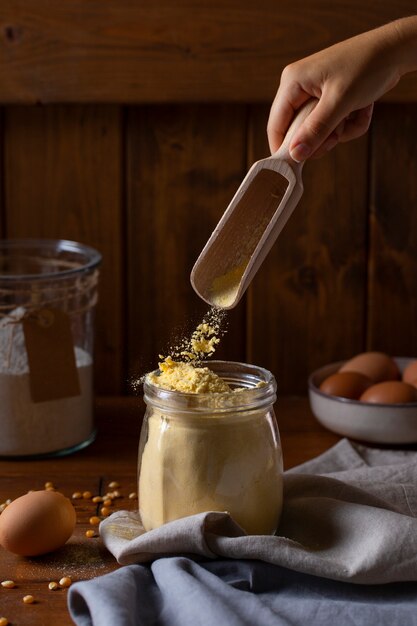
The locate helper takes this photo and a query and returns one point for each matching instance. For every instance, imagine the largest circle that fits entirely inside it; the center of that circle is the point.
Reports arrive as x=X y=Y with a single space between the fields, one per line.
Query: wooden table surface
x=112 y=457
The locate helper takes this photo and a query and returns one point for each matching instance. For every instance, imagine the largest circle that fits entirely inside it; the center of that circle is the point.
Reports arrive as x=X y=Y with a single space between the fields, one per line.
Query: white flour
x=37 y=428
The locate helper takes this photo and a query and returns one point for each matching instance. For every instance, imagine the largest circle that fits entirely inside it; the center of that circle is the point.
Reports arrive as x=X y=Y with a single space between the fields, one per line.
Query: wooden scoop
x=250 y=225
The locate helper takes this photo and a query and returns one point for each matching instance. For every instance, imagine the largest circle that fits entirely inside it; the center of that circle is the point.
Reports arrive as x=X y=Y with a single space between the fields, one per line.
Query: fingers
x=357 y=123
x=314 y=131
x=354 y=126
x=319 y=134
x=279 y=120
x=288 y=100
x=317 y=128
x=331 y=141
x=332 y=121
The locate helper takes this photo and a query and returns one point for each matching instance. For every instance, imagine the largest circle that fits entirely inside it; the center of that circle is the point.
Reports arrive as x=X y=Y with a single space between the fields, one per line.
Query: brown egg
x=376 y=365
x=390 y=392
x=345 y=385
x=410 y=373
x=36 y=523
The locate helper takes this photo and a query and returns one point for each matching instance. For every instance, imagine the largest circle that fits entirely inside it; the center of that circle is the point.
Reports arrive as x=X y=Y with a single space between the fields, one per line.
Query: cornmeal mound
x=177 y=376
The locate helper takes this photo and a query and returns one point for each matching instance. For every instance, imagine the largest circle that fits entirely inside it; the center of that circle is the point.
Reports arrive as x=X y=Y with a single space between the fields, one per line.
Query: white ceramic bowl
x=376 y=423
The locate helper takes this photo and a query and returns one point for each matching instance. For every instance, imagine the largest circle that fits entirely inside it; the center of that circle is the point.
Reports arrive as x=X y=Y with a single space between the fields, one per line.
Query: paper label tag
x=49 y=345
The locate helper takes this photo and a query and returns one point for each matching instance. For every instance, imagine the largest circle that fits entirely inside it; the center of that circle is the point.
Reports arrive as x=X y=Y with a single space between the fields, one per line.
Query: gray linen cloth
x=348 y=516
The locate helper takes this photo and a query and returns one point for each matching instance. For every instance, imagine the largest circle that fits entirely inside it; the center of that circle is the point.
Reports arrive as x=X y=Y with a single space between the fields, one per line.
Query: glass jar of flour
x=212 y=451
x=48 y=292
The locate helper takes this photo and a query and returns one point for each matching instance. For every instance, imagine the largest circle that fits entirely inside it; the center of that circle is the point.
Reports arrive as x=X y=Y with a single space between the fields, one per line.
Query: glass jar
x=213 y=452
x=46 y=280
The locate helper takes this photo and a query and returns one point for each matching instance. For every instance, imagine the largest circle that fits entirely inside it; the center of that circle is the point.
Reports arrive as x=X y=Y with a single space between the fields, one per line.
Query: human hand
x=346 y=79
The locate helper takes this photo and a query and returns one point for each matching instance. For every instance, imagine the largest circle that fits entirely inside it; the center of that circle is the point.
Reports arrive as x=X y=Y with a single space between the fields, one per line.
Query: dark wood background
x=128 y=126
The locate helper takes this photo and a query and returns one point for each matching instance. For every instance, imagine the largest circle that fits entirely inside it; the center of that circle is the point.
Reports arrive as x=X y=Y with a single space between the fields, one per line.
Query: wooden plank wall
x=131 y=51
x=145 y=132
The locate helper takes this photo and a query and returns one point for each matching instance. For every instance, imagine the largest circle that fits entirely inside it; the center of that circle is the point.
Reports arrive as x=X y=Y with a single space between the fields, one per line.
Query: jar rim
x=236 y=374
x=90 y=258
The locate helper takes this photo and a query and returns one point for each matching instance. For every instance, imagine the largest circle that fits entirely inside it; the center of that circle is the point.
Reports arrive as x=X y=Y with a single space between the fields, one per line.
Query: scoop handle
x=300 y=115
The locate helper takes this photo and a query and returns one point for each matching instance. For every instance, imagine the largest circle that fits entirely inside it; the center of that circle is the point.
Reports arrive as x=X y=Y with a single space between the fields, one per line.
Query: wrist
x=404 y=33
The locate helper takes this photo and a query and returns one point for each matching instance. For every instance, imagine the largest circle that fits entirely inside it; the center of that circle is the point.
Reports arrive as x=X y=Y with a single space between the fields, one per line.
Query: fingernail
x=300 y=152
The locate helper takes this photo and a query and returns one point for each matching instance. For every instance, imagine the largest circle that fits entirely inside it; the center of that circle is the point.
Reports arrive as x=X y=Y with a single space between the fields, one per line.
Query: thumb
x=315 y=129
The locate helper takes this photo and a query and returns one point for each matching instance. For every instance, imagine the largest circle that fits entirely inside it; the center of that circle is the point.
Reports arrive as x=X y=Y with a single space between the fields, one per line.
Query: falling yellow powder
x=204 y=339
x=181 y=370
